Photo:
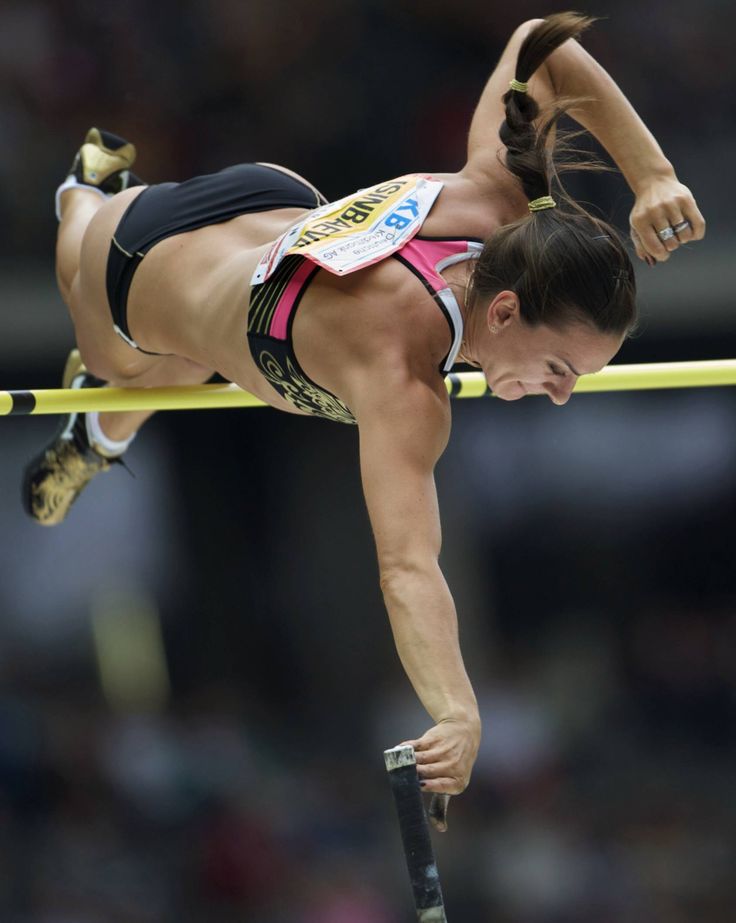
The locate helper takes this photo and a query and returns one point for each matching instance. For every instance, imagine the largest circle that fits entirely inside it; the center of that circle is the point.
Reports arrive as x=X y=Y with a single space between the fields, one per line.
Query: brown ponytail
x=563 y=263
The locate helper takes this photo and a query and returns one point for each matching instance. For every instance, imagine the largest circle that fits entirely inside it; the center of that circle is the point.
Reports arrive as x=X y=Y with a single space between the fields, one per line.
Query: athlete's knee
x=161 y=371
x=67 y=272
x=102 y=363
x=191 y=373
x=95 y=361
x=64 y=282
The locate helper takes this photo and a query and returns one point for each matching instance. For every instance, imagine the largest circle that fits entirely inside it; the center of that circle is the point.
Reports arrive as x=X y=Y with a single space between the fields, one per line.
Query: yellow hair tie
x=519 y=86
x=545 y=201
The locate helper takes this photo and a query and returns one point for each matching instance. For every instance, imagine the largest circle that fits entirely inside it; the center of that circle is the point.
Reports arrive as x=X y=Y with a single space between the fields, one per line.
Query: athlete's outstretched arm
x=570 y=71
x=404 y=426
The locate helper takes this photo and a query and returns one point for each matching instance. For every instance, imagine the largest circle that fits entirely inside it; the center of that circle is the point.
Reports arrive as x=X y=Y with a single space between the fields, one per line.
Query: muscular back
x=190 y=294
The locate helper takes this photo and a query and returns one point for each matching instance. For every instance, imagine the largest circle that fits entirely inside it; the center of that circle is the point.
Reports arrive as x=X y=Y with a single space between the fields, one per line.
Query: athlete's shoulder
x=358 y=230
x=473 y=207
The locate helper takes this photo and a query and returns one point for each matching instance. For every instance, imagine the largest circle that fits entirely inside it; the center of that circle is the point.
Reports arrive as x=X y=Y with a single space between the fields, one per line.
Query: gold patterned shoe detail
x=102 y=165
x=104 y=160
x=73 y=368
x=55 y=477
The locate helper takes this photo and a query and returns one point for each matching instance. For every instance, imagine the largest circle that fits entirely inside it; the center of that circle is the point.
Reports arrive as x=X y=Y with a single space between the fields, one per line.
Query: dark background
x=197 y=676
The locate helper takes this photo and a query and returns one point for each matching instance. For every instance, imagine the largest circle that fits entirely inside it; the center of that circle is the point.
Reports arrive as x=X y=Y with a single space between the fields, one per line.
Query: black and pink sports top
x=274 y=303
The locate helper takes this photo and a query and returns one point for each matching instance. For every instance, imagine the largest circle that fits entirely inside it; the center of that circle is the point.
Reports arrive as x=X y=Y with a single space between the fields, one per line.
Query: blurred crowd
x=592 y=568
x=604 y=792
x=343 y=91
x=597 y=611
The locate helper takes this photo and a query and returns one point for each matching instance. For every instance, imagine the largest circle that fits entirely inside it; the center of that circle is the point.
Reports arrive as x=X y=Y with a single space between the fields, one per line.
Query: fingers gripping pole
x=425 y=881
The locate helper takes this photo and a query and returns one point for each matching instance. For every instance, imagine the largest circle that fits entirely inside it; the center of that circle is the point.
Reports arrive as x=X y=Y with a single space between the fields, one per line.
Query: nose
x=559 y=391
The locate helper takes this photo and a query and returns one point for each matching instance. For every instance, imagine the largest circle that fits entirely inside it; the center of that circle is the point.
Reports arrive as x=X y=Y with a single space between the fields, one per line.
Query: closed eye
x=557 y=371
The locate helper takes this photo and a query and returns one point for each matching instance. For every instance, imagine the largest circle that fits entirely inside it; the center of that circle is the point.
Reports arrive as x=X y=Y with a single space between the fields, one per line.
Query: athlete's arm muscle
x=607 y=114
x=570 y=71
x=484 y=143
x=404 y=425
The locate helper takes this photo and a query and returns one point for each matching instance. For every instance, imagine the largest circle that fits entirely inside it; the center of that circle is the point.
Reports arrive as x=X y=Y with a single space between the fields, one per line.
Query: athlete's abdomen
x=203 y=311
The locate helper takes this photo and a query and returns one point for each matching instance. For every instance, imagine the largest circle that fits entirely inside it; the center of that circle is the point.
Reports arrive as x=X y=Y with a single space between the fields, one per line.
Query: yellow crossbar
x=713 y=373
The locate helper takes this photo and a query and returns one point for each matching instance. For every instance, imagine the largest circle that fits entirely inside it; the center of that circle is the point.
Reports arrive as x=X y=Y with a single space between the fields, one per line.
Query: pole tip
x=397 y=757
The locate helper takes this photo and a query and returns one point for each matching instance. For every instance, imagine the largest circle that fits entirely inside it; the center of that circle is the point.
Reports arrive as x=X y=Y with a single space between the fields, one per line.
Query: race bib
x=356 y=231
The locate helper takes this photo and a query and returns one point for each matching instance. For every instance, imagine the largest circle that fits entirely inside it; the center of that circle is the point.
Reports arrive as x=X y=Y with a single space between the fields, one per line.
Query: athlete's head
x=559 y=270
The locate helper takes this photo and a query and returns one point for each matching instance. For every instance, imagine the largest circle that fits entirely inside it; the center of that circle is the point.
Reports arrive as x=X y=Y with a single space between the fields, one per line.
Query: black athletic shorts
x=171 y=208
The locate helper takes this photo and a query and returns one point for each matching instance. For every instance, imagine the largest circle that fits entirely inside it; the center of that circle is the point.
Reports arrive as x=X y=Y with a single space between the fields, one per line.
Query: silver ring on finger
x=666 y=234
x=681 y=226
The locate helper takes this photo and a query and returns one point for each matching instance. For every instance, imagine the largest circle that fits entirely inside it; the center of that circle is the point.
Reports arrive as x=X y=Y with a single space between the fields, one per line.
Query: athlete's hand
x=664 y=203
x=445 y=756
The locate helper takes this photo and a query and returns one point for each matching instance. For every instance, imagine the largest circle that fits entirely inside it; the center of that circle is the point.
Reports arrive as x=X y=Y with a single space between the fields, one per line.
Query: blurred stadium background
x=196 y=672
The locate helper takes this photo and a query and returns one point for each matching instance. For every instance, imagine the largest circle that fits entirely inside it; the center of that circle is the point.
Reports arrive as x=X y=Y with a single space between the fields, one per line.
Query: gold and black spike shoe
x=104 y=160
x=103 y=164
x=55 y=477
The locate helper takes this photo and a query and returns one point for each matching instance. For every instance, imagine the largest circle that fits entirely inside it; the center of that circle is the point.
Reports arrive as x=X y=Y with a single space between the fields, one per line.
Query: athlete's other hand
x=662 y=203
x=445 y=756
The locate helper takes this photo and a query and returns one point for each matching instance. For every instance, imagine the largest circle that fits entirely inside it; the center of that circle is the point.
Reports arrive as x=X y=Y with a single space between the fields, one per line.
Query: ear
x=503 y=310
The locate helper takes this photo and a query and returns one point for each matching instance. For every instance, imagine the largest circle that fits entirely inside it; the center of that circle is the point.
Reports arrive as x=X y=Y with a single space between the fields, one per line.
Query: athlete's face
x=518 y=359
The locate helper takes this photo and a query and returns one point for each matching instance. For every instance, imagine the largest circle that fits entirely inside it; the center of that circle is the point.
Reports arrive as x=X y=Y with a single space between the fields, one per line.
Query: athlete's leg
x=162 y=372
x=88 y=443
x=101 y=168
x=78 y=206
